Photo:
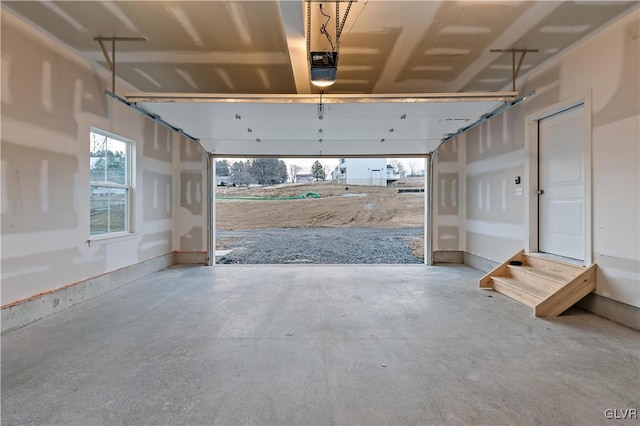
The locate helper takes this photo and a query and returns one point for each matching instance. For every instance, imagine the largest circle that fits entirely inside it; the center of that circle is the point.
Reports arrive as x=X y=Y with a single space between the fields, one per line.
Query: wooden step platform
x=549 y=286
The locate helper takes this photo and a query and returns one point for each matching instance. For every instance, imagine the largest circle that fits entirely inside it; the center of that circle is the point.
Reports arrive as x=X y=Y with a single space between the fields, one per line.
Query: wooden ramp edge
x=549 y=286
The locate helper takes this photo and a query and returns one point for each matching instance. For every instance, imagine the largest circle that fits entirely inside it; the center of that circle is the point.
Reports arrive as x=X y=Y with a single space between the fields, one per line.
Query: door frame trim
x=531 y=171
x=212 y=178
x=212 y=184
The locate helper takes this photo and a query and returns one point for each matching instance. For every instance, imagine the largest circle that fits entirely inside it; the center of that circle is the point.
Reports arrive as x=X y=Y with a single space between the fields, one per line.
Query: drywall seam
x=62 y=48
x=509 y=231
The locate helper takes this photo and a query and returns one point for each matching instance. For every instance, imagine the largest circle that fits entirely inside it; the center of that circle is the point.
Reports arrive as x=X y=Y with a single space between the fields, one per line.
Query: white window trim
x=128 y=233
x=112 y=237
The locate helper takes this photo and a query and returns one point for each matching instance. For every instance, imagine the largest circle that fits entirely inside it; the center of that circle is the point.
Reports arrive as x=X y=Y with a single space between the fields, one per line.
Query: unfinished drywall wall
x=448 y=202
x=51 y=99
x=191 y=200
x=494 y=213
x=605 y=69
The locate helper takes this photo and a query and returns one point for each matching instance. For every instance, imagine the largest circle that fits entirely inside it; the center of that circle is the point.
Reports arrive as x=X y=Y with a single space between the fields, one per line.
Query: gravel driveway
x=319 y=245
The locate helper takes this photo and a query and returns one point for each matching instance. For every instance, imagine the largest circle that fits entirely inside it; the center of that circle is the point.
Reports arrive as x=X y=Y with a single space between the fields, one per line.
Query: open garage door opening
x=320 y=211
x=326 y=126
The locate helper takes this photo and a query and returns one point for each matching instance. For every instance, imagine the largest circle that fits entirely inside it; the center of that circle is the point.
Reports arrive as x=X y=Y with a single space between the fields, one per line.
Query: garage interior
x=139 y=325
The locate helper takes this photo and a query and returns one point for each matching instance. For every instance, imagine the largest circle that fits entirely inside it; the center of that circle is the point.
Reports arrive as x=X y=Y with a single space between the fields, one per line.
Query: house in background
x=361 y=171
x=305 y=178
x=391 y=176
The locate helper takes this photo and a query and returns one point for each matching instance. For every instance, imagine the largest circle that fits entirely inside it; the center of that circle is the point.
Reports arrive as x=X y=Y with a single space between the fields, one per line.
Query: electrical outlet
x=519 y=192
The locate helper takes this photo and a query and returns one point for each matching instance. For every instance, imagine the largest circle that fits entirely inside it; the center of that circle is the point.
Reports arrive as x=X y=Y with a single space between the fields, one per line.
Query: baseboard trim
x=440 y=257
x=191 y=258
x=610 y=309
x=24 y=312
x=615 y=311
x=480 y=263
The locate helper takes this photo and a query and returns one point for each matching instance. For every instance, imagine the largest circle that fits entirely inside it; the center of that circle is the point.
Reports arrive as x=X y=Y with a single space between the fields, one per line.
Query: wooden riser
x=513 y=289
x=548 y=286
x=553 y=267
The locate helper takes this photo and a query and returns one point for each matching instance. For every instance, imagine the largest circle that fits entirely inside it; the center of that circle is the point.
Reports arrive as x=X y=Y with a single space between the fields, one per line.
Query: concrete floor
x=316 y=344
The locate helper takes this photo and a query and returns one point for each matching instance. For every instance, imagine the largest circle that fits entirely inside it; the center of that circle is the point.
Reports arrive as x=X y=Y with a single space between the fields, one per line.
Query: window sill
x=99 y=240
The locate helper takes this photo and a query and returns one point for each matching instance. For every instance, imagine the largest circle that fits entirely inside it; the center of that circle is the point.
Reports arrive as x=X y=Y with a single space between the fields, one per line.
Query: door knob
x=540 y=191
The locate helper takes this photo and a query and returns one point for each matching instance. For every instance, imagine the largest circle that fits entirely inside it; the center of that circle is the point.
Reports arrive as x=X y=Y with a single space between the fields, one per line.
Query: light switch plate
x=519 y=192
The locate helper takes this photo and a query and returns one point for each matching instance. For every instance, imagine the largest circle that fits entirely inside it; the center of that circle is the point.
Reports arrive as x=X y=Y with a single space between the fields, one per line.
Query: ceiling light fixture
x=324 y=68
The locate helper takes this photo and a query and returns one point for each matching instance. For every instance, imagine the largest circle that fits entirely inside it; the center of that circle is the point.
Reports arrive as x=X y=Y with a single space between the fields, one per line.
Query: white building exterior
x=361 y=171
x=305 y=178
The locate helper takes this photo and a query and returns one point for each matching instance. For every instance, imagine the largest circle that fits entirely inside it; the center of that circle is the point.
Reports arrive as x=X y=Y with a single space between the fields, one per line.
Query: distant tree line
x=108 y=166
x=263 y=171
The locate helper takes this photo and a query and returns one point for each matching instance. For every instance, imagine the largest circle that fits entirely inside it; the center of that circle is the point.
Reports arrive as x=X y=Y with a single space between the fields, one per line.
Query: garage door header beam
x=326 y=98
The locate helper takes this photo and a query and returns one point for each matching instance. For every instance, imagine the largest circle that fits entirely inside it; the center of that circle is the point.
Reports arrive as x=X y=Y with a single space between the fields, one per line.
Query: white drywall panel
x=51 y=101
x=607 y=66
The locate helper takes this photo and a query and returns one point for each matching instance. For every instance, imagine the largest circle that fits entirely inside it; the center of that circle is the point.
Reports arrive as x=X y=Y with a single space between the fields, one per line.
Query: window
x=110 y=174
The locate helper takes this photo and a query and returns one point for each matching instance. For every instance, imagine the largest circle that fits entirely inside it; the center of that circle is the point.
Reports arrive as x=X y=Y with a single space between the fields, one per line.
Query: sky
x=306 y=163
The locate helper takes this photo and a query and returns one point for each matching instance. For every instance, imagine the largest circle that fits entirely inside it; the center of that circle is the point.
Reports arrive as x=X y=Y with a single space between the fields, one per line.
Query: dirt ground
x=242 y=208
x=370 y=206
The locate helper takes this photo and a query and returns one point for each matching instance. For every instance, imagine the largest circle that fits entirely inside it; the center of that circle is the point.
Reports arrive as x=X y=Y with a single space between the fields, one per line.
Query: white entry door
x=561 y=184
x=376 y=177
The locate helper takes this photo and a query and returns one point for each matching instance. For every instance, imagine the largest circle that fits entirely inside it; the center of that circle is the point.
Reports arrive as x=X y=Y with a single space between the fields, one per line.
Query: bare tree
x=398 y=168
x=327 y=170
x=294 y=169
x=413 y=168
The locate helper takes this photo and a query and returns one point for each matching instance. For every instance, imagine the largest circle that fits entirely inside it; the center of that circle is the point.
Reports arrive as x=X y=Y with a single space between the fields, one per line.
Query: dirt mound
x=371 y=206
